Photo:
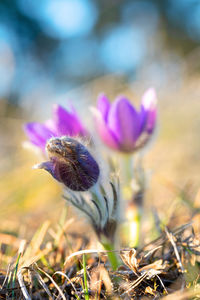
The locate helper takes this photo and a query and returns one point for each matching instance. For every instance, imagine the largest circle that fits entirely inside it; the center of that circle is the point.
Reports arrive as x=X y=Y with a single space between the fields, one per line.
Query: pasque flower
x=62 y=123
x=123 y=128
x=70 y=163
x=74 y=166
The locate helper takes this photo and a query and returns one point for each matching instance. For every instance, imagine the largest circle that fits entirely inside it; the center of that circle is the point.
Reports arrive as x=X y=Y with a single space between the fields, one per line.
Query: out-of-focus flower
x=70 y=163
x=62 y=123
x=123 y=128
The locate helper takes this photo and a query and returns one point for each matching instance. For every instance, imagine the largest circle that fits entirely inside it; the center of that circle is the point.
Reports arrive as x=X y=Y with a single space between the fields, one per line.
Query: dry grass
x=40 y=269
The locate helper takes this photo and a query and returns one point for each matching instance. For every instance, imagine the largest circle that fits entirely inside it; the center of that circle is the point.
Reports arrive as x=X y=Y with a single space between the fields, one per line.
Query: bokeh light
x=69 y=61
x=64 y=43
x=123 y=48
x=189 y=10
x=62 y=18
x=7 y=60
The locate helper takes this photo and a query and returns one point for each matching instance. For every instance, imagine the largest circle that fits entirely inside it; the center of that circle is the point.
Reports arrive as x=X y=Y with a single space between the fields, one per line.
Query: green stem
x=15 y=275
x=85 y=279
x=127 y=168
x=139 y=177
x=111 y=255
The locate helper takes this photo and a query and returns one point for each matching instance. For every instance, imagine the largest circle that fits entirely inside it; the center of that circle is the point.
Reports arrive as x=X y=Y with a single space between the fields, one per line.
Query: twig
x=171 y=239
x=162 y=284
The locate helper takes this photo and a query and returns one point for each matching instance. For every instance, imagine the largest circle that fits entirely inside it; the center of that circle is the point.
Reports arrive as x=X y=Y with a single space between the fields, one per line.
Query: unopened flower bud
x=70 y=163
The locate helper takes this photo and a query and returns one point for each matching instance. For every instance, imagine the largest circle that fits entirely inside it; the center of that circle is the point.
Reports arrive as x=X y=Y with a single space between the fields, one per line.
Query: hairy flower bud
x=70 y=163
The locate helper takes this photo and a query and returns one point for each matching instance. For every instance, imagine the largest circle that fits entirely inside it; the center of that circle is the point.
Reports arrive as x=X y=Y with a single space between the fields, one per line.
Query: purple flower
x=123 y=128
x=70 y=163
x=62 y=123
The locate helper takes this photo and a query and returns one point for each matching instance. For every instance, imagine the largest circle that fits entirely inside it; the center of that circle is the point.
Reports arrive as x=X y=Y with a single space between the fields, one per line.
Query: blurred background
x=61 y=51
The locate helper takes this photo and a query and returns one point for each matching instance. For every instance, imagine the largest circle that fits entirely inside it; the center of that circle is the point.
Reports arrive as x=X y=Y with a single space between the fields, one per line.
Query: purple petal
x=149 y=110
x=66 y=123
x=124 y=121
x=103 y=106
x=143 y=118
x=38 y=134
x=149 y=99
x=49 y=166
x=105 y=133
x=151 y=121
x=80 y=127
x=50 y=124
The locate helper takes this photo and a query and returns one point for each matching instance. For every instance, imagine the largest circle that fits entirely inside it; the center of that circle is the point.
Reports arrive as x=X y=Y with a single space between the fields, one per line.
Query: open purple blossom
x=70 y=163
x=62 y=123
x=123 y=128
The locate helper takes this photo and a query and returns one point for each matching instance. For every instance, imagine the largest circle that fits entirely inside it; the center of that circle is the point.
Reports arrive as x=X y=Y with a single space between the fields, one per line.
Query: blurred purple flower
x=123 y=128
x=62 y=123
x=70 y=163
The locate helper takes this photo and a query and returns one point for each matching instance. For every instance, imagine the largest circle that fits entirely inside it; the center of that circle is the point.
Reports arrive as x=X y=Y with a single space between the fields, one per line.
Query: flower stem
x=126 y=168
x=85 y=279
x=111 y=255
x=135 y=206
x=135 y=228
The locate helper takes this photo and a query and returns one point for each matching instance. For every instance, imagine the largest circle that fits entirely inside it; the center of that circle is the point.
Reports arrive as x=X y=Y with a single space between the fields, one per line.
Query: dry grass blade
x=172 y=241
x=36 y=242
x=64 y=275
x=90 y=251
x=135 y=283
x=43 y=284
x=156 y=267
x=164 y=288
x=6 y=277
x=53 y=281
x=151 y=252
x=22 y=284
x=34 y=258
